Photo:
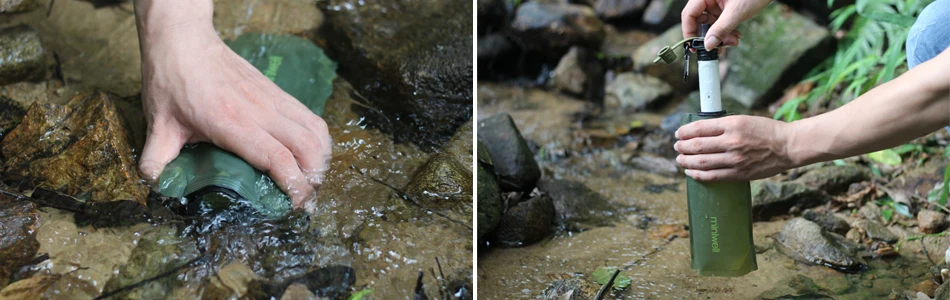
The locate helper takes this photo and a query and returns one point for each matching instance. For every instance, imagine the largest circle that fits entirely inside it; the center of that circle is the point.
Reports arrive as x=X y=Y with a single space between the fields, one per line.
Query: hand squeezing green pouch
x=217 y=179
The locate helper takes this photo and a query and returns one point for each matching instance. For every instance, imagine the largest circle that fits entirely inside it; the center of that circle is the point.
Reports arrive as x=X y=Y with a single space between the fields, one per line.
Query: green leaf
x=876 y=171
x=946 y=151
x=899 y=20
x=887 y=214
x=946 y=186
x=359 y=295
x=602 y=276
x=886 y=156
x=902 y=208
x=839 y=162
x=905 y=148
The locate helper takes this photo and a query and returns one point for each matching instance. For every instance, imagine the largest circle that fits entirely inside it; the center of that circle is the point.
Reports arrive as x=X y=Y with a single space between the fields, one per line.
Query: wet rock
x=833 y=179
x=298 y=291
x=835 y=284
x=804 y=241
x=460 y=146
x=489 y=197
x=624 y=43
x=663 y=13
x=803 y=285
x=268 y=17
x=770 y=198
x=492 y=47
x=671 y=73
x=11 y=114
x=231 y=282
x=635 y=91
x=18 y=244
x=569 y=289
x=81 y=149
x=613 y=9
x=526 y=222
x=655 y=164
x=418 y=74
x=49 y=286
x=162 y=252
x=928 y=287
x=828 y=222
x=442 y=183
x=569 y=74
x=513 y=161
x=22 y=53
x=876 y=231
x=756 y=74
x=885 y=286
x=929 y=221
x=577 y=207
x=551 y=29
x=17 y=6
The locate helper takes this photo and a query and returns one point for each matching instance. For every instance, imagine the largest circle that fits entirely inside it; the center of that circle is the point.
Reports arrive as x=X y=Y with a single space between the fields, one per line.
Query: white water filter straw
x=709 y=94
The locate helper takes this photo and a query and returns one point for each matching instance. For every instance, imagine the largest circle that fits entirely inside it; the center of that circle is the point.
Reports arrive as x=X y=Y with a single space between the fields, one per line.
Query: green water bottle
x=720 y=213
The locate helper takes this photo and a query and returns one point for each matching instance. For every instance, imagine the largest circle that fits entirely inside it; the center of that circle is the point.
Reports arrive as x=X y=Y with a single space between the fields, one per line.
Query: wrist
x=795 y=150
x=161 y=22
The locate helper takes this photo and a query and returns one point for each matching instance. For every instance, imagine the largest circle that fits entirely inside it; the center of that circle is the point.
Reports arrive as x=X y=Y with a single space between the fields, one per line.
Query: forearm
x=910 y=106
x=160 y=21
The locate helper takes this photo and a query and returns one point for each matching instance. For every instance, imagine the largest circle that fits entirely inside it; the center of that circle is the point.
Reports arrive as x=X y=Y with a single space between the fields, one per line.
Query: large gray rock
x=418 y=73
x=613 y=9
x=804 y=241
x=671 y=73
x=22 y=53
x=569 y=74
x=577 y=207
x=489 y=195
x=525 y=223
x=778 y=49
x=623 y=43
x=512 y=159
x=551 y=29
x=770 y=198
x=833 y=179
x=635 y=91
x=662 y=14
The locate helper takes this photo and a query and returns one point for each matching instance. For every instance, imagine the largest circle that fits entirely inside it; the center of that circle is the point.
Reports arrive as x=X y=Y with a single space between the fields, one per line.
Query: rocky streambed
x=577 y=126
x=394 y=219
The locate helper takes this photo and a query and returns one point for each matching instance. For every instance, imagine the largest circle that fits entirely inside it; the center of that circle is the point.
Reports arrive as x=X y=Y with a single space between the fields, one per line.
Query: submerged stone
x=513 y=161
x=756 y=73
x=525 y=223
x=770 y=198
x=161 y=252
x=442 y=183
x=22 y=56
x=552 y=28
x=417 y=73
x=489 y=199
x=81 y=149
x=231 y=282
x=577 y=207
x=805 y=241
x=18 y=244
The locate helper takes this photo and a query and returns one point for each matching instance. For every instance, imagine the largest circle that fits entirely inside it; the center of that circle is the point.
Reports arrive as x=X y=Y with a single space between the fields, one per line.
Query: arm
x=745 y=147
x=195 y=89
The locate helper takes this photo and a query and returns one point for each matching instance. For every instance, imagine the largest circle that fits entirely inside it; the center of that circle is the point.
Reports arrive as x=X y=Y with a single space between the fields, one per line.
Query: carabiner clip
x=686 y=62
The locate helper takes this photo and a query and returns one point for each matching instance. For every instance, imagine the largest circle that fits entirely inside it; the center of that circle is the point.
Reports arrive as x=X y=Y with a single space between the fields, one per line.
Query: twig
x=924 y=248
x=604 y=289
x=410 y=199
x=442 y=280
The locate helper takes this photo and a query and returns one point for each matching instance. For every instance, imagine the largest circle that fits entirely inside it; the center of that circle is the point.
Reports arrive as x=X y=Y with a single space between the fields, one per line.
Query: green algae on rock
x=22 y=56
x=489 y=195
x=442 y=183
x=81 y=149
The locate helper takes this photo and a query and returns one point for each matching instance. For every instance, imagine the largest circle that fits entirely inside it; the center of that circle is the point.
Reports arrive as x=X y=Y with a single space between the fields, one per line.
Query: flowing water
x=363 y=226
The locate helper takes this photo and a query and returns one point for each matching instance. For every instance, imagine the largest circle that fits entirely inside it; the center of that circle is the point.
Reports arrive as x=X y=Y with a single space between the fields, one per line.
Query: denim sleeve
x=930 y=34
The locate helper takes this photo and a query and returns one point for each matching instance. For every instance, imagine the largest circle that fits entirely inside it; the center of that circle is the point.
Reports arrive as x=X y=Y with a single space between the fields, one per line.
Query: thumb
x=722 y=27
x=161 y=146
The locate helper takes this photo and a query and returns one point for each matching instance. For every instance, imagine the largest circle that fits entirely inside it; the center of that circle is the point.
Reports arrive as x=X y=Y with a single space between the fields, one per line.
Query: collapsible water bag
x=720 y=223
x=216 y=179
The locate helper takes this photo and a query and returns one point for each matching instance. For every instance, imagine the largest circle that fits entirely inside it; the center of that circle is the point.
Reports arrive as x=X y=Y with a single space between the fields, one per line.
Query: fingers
x=714 y=175
x=162 y=145
x=701 y=145
x=701 y=128
x=723 y=27
x=307 y=147
x=269 y=155
x=691 y=15
x=707 y=161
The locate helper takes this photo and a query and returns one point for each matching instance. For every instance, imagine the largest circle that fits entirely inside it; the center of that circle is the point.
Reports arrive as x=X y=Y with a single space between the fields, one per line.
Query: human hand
x=724 y=15
x=733 y=148
x=196 y=89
